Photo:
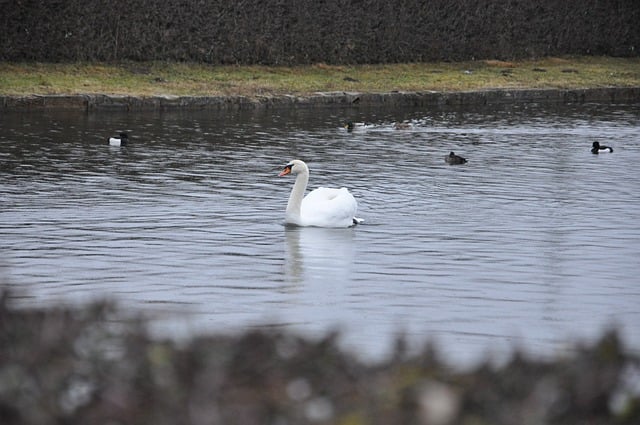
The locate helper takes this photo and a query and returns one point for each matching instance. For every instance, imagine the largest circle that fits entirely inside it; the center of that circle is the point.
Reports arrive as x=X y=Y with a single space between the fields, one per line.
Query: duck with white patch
x=119 y=141
x=322 y=207
x=598 y=148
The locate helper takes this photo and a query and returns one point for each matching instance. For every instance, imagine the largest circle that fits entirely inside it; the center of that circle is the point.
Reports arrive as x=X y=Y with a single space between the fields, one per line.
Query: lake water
x=534 y=243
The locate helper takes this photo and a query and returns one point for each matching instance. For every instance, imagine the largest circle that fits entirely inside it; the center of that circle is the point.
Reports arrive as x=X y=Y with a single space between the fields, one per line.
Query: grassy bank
x=184 y=79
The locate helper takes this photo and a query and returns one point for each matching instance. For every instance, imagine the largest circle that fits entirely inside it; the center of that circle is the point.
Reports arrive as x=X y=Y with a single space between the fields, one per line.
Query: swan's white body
x=323 y=207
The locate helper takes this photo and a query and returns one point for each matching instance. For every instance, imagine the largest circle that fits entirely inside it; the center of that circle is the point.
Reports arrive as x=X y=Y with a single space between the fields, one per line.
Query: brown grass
x=162 y=78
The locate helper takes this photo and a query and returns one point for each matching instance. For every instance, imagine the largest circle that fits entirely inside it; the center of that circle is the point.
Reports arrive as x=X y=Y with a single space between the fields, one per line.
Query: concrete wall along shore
x=91 y=102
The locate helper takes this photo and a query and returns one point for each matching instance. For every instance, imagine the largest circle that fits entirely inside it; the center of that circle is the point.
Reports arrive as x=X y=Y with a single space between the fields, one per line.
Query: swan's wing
x=329 y=207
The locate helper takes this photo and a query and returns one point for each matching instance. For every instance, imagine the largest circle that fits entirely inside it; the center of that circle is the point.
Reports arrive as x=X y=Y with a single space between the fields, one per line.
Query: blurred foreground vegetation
x=90 y=365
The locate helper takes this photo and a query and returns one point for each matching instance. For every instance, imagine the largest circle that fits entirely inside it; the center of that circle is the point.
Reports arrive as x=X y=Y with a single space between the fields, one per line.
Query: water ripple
x=531 y=237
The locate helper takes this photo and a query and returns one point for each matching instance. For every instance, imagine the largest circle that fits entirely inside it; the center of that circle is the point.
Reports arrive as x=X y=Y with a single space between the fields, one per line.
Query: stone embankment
x=102 y=102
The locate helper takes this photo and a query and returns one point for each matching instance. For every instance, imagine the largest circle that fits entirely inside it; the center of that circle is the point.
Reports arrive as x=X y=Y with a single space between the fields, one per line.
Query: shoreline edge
x=104 y=102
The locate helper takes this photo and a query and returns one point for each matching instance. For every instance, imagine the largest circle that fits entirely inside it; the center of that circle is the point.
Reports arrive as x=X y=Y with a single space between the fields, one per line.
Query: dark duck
x=453 y=159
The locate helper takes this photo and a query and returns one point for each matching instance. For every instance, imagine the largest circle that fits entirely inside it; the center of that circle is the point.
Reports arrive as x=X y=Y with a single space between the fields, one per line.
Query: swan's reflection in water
x=315 y=254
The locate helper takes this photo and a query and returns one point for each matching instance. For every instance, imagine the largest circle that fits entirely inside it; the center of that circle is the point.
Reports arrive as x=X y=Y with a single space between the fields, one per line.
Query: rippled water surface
x=534 y=242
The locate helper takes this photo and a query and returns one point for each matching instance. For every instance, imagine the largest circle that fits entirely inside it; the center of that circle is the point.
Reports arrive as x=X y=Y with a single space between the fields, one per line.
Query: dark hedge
x=289 y=32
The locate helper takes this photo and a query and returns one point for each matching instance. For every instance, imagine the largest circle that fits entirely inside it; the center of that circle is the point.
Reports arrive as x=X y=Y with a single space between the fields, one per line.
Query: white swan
x=323 y=207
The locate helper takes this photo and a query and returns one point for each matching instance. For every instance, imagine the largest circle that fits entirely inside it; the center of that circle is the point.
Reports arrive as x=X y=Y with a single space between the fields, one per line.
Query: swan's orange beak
x=287 y=170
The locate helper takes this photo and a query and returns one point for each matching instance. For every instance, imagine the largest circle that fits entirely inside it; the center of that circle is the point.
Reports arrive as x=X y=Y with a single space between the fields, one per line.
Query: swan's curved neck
x=297 y=194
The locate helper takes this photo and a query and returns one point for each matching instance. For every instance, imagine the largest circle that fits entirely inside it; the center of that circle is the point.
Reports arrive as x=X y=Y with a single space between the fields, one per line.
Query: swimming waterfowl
x=350 y=125
x=322 y=207
x=402 y=126
x=452 y=159
x=597 y=148
x=119 y=141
